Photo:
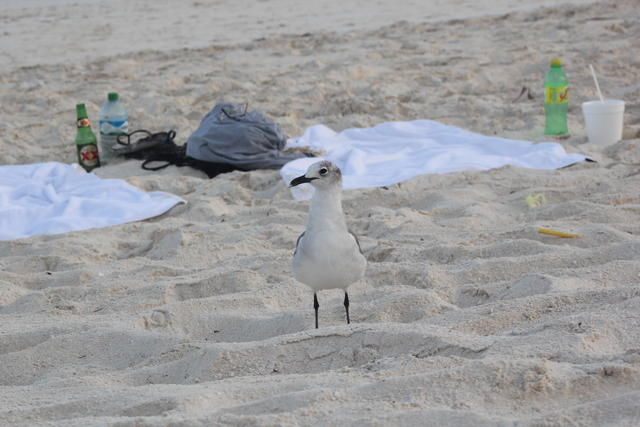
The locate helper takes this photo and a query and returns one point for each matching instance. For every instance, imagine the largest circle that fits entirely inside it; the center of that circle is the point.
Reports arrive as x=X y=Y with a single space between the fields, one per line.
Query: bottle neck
x=84 y=132
x=81 y=111
x=556 y=77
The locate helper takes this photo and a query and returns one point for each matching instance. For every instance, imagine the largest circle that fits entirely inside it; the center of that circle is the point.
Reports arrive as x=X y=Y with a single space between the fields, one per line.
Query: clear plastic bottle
x=556 y=99
x=114 y=121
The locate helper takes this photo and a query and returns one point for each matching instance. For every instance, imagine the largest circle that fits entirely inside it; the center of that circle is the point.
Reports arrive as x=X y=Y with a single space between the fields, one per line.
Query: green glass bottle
x=86 y=142
x=556 y=100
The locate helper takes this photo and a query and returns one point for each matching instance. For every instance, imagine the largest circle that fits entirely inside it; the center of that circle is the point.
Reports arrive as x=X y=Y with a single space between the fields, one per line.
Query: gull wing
x=355 y=237
x=298 y=241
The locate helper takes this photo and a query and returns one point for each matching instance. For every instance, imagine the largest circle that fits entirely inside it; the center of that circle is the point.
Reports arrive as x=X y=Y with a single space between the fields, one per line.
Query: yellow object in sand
x=557 y=233
x=535 y=200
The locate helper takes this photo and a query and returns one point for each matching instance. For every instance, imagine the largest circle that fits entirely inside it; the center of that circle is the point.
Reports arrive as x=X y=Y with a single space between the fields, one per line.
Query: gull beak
x=300 y=180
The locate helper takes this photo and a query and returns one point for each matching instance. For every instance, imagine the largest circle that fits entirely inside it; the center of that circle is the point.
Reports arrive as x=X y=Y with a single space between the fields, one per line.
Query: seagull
x=327 y=255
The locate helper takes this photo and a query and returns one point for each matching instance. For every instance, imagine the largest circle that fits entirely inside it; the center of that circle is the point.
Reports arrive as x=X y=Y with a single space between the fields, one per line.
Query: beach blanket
x=393 y=152
x=52 y=198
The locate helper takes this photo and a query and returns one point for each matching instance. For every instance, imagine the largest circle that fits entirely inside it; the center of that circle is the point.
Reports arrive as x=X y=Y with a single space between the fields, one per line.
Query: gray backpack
x=247 y=140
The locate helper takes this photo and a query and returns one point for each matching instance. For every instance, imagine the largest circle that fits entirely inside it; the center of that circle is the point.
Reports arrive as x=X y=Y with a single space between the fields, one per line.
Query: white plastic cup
x=603 y=120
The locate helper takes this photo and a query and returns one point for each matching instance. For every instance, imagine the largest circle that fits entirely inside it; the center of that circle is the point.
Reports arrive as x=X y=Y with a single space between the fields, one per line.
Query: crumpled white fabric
x=53 y=198
x=393 y=152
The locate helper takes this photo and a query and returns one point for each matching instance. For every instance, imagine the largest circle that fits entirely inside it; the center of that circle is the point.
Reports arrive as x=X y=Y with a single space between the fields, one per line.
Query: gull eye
x=323 y=171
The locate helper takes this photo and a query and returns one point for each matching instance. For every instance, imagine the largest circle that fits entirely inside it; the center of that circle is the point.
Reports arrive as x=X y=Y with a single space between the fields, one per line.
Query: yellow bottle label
x=556 y=95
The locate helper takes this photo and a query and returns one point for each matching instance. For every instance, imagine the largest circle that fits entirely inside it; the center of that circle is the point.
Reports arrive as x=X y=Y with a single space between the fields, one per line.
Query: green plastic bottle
x=556 y=100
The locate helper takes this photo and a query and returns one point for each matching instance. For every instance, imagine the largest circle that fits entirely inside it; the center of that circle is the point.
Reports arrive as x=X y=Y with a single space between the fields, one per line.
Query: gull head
x=322 y=175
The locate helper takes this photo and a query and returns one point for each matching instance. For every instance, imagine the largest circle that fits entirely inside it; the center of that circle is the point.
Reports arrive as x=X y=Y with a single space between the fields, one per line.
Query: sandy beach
x=467 y=316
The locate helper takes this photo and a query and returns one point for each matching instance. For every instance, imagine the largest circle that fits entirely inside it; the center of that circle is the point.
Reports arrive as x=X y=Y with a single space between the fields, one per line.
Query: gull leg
x=346 y=306
x=315 y=306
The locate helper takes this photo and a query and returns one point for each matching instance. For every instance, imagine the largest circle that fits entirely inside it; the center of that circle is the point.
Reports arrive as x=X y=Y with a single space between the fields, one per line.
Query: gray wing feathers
x=298 y=242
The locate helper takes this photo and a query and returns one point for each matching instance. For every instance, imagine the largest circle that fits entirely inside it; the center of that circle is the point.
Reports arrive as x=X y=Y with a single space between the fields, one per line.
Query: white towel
x=392 y=152
x=52 y=198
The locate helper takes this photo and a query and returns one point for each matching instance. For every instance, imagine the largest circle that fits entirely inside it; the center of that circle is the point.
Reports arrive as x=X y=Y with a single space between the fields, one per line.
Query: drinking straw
x=595 y=79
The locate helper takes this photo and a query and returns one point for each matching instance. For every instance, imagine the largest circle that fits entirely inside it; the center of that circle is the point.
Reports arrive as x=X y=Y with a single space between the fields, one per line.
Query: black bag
x=158 y=150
